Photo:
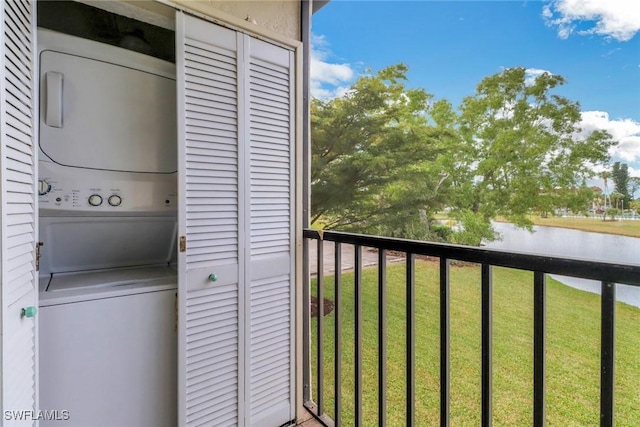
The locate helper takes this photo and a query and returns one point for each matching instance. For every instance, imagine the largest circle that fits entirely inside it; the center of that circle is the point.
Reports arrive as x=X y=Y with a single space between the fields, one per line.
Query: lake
x=562 y=242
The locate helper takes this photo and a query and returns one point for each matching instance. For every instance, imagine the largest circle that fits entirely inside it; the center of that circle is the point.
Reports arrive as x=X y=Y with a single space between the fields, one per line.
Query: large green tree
x=620 y=176
x=386 y=157
x=521 y=148
x=376 y=162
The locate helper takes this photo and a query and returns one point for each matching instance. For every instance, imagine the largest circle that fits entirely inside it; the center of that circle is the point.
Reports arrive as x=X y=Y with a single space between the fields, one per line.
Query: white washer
x=108 y=348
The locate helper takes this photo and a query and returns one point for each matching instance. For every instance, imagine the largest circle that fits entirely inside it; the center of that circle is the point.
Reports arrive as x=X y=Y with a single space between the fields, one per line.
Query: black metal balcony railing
x=608 y=274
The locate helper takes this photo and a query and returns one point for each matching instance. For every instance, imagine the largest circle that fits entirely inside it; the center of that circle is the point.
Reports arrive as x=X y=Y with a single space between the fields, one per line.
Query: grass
x=573 y=345
x=628 y=228
x=596 y=225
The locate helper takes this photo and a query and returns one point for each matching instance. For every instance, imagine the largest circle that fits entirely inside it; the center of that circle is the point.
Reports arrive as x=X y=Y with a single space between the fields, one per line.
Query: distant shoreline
x=629 y=228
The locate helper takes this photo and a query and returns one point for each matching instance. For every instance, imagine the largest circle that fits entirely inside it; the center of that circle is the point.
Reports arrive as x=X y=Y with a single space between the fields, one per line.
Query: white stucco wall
x=280 y=16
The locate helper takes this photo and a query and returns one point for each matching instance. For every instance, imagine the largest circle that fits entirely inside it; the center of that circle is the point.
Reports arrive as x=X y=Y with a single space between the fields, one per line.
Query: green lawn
x=573 y=339
x=597 y=225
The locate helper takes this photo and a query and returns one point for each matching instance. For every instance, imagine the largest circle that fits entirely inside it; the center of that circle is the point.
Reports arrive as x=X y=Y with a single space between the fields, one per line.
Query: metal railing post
x=320 y=325
x=487 y=345
x=444 y=343
x=338 y=334
x=607 y=354
x=382 y=338
x=539 y=348
x=358 y=335
x=411 y=340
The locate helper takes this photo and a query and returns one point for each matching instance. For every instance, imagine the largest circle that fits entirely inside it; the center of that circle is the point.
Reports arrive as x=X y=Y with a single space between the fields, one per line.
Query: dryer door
x=99 y=114
x=18 y=212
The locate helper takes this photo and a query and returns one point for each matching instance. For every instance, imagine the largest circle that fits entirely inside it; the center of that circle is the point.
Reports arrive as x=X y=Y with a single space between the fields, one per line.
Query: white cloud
x=328 y=80
x=634 y=172
x=600 y=168
x=532 y=73
x=611 y=52
x=625 y=131
x=617 y=19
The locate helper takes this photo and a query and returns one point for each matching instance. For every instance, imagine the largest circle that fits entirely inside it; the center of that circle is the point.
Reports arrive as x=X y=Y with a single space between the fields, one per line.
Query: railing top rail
x=575 y=267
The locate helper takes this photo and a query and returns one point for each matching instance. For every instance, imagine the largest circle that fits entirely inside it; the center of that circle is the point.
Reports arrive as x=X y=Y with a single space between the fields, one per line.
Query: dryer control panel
x=63 y=189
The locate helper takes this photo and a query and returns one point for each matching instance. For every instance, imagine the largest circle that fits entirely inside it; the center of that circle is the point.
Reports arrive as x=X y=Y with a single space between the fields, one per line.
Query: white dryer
x=107 y=221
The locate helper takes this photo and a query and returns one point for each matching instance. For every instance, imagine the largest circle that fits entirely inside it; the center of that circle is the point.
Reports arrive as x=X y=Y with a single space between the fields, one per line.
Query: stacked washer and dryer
x=108 y=226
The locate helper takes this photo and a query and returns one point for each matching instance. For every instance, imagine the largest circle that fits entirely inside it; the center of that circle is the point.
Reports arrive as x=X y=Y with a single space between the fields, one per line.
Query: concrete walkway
x=369 y=257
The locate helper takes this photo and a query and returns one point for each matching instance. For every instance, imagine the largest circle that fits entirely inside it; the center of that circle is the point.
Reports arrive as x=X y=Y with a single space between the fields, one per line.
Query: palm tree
x=616 y=198
x=605 y=175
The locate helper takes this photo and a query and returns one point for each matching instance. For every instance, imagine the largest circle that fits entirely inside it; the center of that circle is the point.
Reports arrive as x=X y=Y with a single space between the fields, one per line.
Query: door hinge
x=183 y=244
x=175 y=320
x=38 y=254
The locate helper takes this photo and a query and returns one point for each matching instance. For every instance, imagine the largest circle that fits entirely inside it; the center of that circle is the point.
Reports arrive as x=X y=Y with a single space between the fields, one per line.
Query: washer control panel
x=115 y=200
x=95 y=200
x=83 y=190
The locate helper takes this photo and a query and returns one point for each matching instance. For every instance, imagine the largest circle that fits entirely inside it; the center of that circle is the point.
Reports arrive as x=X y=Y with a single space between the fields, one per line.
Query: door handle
x=28 y=312
x=53 y=113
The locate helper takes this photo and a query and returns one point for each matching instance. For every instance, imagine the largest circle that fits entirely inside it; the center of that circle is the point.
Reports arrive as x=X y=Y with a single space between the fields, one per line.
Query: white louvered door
x=210 y=371
x=268 y=81
x=236 y=132
x=18 y=211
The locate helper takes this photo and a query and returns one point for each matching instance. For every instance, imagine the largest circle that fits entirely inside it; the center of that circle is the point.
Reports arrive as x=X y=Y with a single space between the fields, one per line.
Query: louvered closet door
x=270 y=90
x=209 y=323
x=18 y=210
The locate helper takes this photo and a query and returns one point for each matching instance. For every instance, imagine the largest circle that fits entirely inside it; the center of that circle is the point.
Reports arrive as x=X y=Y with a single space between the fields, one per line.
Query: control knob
x=43 y=187
x=115 y=200
x=95 y=200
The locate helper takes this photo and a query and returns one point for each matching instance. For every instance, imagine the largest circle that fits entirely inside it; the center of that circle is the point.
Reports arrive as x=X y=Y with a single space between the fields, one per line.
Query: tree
x=634 y=186
x=579 y=200
x=596 y=199
x=620 y=176
x=605 y=175
x=385 y=157
x=616 y=200
x=520 y=144
x=375 y=163
x=612 y=212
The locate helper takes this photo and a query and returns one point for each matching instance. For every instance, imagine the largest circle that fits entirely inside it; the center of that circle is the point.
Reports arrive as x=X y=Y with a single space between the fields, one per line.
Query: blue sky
x=451 y=45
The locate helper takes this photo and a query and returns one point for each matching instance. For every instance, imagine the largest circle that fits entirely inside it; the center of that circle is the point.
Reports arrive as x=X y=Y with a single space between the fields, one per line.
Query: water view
x=562 y=242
